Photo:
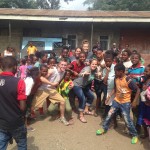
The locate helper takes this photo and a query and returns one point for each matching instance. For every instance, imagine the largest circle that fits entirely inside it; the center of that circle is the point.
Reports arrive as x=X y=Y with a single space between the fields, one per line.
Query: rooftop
x=68 y=15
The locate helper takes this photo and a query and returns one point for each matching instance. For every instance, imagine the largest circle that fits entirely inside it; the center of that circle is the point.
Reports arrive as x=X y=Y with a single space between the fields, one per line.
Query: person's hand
x=134 y=104
x=85 y=74
x=107 y=101
x=54 y=84
x=71 y=85
x=87 y=63
x=108 y=69
x=99 y=75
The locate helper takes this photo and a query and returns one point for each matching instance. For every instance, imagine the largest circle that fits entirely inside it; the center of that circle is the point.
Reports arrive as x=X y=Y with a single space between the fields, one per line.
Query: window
x=104 y=42
x=72 y=41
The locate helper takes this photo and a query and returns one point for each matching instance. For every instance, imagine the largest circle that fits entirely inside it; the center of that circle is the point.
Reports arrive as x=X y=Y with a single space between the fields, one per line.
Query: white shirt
x=29 y=84
x=111 y=76
x=127 y=64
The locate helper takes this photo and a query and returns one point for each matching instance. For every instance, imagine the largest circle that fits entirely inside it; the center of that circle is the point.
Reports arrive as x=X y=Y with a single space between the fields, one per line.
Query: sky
x=73 y=5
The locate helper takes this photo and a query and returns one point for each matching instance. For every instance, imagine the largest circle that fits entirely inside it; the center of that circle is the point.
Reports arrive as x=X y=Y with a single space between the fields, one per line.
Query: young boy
x=123 y=89
x=12 y=107
x=108 y=75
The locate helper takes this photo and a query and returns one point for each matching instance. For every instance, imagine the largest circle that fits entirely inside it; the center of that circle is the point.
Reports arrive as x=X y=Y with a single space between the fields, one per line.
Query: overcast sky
x=73 y=5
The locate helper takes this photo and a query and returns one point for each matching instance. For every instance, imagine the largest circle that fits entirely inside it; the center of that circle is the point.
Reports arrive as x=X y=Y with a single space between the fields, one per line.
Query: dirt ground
x=53 y=135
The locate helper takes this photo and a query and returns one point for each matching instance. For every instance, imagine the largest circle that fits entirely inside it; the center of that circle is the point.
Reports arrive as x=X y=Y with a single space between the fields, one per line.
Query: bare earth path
x=52 y=135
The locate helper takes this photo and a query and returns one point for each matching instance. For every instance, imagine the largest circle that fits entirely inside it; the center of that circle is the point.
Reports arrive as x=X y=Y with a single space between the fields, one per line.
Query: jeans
x=125 y=109
x=100 y=88
x=19 y=134
x=82 y=94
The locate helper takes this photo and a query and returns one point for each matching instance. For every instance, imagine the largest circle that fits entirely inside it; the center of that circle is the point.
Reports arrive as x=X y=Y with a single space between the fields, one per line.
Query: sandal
x=88 y=113
x=82 y=119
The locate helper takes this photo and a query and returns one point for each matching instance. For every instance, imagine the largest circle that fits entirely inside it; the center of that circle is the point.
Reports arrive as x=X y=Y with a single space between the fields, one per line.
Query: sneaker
x=30 y=129
x=100 y=132
x=64 y=121
x=134 y=140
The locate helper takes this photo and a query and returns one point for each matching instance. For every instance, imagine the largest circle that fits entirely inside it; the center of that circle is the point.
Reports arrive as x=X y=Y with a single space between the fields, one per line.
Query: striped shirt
x=136 y=72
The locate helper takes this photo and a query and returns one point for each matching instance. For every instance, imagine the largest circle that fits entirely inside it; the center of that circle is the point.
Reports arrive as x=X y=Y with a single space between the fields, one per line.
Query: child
x=123 y=89
x=146 y=87
x=108 y=75
x=12 y=107
x=135 y=72
x=64 y=55
x=32 y=75
x=23 y=69
x=63 y=89
x=126 y=59
x=98 y=83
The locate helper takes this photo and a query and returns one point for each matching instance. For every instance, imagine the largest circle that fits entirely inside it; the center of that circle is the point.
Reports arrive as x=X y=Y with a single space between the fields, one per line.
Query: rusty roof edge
x=21 y=11
x=54 y=16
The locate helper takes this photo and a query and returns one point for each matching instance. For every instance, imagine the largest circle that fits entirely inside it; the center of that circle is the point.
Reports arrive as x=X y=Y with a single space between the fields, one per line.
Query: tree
x=125 y=5
x=48 y=4
x=17 y=4
x=34 y=4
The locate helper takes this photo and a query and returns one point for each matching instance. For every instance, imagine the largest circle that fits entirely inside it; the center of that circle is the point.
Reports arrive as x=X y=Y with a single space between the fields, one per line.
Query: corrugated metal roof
x=70 y=13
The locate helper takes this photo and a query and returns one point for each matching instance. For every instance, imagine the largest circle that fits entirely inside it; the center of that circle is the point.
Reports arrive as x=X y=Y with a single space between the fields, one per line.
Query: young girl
x=23 y=69
x=82 y=89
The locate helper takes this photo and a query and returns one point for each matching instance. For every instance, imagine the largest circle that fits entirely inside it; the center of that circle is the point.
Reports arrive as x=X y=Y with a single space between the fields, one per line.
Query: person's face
x=93 y=65
x=82 y=58
x=44 y=71
x=65 y=53
x=31 y=44
x=85 y=47
x=67 y=76
x=114 y=45
x=94 y=51
x=52 y=62
x=147 y=72
x=127 y=46
x=44 y=58
x=77 y=52
x=99 y=55
x=135 y=59
x=125 y=56
x=62 y=66
x=29 y=62
x=118 y=74
x=108 y=62
x=35 y=59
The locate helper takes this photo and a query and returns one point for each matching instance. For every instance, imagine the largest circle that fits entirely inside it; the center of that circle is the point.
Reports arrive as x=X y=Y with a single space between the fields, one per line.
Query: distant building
x=71 y=27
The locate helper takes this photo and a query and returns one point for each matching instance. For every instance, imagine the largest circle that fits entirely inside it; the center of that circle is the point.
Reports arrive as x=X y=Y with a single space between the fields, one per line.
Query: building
x=71 y=27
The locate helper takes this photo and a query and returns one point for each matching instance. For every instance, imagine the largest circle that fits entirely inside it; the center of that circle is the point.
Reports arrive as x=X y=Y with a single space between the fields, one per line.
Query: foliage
x=17 y=4
x=34 y=4
x=122 y=5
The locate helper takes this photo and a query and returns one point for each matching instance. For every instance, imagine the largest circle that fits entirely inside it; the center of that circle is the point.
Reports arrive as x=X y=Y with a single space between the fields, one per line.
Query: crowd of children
x=115 y=78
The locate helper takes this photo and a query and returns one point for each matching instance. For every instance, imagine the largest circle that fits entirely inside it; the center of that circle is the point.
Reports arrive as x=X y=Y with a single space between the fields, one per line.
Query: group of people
x=115 y=79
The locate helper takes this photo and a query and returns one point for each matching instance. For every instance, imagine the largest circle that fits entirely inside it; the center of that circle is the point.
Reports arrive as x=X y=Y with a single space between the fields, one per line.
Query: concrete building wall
x=137 y=39
x=13 y=41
